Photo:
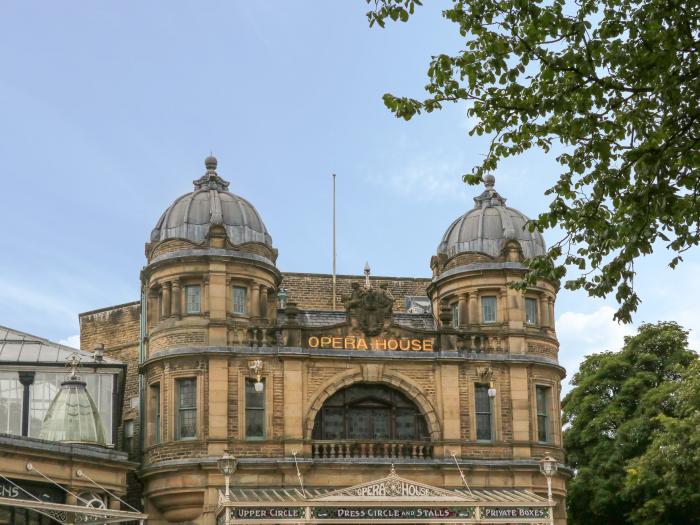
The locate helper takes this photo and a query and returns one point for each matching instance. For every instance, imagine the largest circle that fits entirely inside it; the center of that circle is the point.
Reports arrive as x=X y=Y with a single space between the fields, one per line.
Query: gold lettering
x=416 y=344
x=428 y=345
x=392 y=344
x=313 y=341
x=350 y=342
x=325 y=342
x=379 y=344
x=361 y=343
x=406 y=346
x=338 y=342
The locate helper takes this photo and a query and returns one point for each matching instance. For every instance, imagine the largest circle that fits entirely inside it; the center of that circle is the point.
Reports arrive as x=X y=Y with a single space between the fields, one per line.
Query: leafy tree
x=666 y=478
x=617 y=414
x=614 y=85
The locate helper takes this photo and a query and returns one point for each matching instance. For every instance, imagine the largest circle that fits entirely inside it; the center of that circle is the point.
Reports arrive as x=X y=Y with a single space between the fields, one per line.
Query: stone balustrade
x=372 y=449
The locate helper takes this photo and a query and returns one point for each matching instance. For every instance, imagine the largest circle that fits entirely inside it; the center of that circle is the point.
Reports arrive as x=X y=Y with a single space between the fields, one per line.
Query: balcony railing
x=372 y=449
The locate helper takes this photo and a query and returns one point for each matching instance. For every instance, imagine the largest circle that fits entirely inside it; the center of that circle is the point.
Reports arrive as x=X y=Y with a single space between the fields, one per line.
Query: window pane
x=483 y=403
x=253 y=399
x=358 y=423
x=488 y=309
x=483 y=412
x=255 y=411
x=369 y=412
x=254 y=423
x=11 y=392
x=188 y=423
x=542 y=400
x=45 y=387
x=188 y=393
x=530 y=310
x=333 y=423
x=186 y=408
x=405 y=424
x=483 y=427
x=455 y=315
x=381 y=421
x=239 y=300
x=155 y=404
x=192 y=294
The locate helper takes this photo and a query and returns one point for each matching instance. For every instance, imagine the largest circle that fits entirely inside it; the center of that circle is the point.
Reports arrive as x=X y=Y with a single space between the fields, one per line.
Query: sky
x=108 y=110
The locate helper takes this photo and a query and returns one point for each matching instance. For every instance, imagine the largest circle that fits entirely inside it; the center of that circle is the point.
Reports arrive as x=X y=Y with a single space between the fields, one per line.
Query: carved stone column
x=165 y=301
x=463 y=310
x=550 y=312
x=473 y=308
x=176 y=299
x=255 y=302
x=263 y=301
x=205 y=296
x=544 y=311
x=502 y=306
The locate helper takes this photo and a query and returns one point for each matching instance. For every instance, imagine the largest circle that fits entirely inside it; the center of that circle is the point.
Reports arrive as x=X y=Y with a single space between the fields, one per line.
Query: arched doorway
x=370 y=420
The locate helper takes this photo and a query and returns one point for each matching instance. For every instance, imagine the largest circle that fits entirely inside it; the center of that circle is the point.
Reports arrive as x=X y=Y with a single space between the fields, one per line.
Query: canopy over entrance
x=391 y=499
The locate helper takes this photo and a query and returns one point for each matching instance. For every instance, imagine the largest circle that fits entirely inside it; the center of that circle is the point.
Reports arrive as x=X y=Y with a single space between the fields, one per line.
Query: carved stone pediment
x=369 y=310
x=394 y=487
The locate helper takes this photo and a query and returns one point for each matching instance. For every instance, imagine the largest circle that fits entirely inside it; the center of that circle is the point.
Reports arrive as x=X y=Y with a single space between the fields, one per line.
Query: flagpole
x=334 y=293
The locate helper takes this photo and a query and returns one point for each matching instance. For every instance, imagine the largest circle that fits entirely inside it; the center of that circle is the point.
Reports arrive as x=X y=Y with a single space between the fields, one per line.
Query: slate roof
x=323 y=318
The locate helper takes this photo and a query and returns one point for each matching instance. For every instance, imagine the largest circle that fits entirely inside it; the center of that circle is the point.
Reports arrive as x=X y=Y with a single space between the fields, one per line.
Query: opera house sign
x=386 y=500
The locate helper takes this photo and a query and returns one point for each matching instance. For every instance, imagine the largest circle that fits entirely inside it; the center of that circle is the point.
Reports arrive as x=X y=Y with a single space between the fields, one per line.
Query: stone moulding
x=287 y=351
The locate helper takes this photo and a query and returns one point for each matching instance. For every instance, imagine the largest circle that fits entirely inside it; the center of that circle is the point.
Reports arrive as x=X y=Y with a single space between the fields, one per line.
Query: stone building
x=409 y=397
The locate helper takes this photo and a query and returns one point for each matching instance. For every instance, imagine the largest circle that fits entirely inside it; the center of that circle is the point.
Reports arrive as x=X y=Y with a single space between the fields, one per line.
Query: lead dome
x=488 y=226
x=191 y=215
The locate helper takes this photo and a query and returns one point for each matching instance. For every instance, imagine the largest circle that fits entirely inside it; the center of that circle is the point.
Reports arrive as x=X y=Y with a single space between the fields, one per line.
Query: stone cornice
x=309 y=353
x=289 y=462
x=216 y=253
x=74 y=451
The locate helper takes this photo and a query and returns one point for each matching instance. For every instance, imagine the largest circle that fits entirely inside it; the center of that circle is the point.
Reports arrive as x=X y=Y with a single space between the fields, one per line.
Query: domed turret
x=191 y=216
x=73 y=416
x=489 y=226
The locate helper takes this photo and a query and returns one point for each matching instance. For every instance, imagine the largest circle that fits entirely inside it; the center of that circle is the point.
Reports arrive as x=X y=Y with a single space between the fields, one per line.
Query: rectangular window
x=530 y=310
x=542 y=395
x=488 y=309
x=239 y=299
x=192 y=295
x=484 y=431
x=455 y=315
x=186 y=410
x=254 y=411
x=47 y=384
x=11 y=395
x=155 y=410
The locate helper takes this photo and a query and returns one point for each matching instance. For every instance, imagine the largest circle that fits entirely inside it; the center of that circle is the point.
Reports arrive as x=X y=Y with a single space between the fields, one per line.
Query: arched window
x=370 y=412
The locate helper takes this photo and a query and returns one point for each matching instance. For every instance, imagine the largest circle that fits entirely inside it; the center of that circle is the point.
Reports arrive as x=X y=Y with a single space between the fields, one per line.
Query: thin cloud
x=582 y=334
x=72 y=340
x=424 y=180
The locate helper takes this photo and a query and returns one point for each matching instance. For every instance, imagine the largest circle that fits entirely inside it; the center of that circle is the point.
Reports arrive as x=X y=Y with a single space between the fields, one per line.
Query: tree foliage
x=625 y=416
x=614 y=85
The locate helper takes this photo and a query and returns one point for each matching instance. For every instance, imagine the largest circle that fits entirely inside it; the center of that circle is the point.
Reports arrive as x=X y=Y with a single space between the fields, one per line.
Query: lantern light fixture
x=227 y=466
x=492 y=390
x=548 y=467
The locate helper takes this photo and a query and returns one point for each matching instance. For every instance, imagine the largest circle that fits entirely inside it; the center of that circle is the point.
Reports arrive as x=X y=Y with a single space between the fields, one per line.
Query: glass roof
x=20 y=347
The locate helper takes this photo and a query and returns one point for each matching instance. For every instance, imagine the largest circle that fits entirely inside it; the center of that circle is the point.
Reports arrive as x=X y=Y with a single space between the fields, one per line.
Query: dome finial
x=210 y=162
x=489 y=181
